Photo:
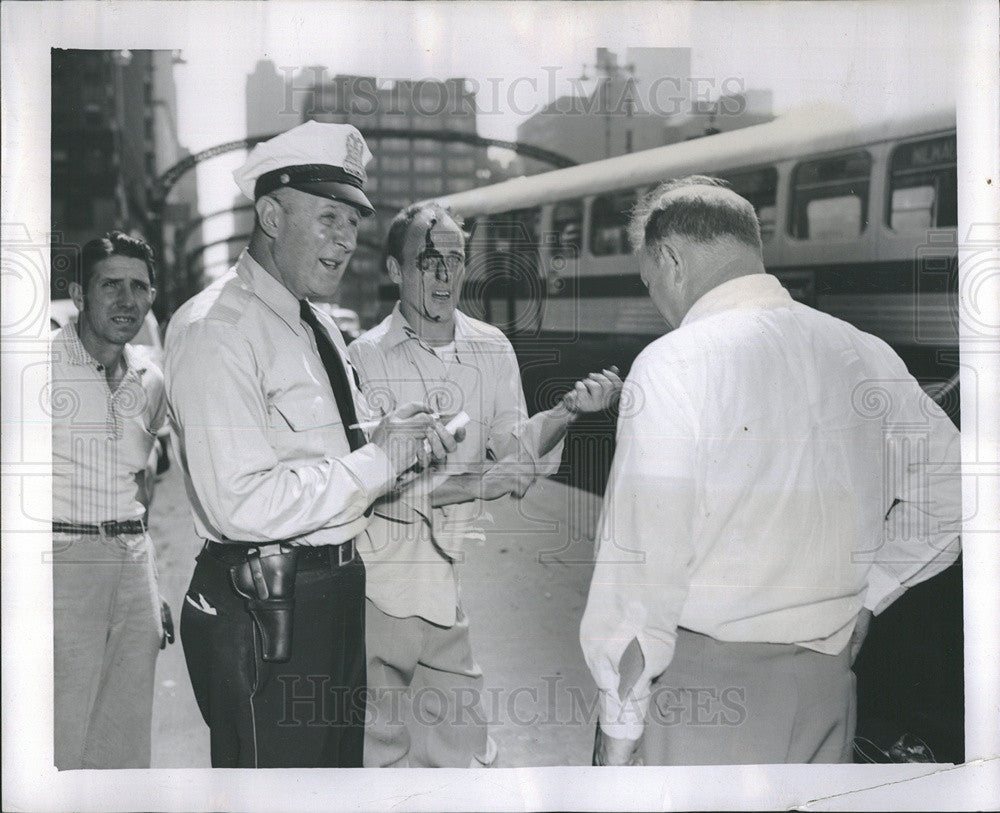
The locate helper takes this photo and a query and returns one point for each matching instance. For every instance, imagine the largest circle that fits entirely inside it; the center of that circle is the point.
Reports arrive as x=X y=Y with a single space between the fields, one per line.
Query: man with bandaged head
x=419 y=649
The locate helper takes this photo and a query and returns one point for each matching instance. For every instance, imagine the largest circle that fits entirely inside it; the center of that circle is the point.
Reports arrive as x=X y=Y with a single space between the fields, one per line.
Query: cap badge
x=352 y=159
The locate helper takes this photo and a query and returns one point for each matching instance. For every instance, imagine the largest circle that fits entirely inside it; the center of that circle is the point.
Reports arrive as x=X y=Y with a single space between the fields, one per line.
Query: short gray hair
x=698 y=217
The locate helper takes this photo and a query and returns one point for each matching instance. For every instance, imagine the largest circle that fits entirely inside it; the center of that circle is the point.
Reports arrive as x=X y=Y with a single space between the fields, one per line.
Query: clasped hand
x=412 y=435
x=595 y=392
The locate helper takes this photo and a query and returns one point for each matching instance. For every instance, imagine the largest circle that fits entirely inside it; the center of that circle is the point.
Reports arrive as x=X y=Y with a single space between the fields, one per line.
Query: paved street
x=525 y=591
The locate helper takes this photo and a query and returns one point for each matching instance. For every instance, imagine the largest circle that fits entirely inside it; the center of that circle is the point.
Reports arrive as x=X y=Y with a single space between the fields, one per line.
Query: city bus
x=858 y=220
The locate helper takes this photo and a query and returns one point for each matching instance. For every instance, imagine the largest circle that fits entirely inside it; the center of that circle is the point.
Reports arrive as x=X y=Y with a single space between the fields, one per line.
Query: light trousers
x=106 y=638
x=425 y=691
x=723 y=703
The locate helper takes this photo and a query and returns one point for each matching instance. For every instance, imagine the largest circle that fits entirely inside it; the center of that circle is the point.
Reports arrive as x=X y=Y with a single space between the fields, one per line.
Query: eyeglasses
x=435 y=261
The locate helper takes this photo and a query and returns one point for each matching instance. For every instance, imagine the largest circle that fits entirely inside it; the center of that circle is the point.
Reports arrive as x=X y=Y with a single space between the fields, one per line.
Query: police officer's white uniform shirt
x=257 y=427
x=760 y=447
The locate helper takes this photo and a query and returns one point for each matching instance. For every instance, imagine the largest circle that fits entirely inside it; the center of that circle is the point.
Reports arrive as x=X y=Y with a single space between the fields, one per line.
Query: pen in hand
x=456 y=423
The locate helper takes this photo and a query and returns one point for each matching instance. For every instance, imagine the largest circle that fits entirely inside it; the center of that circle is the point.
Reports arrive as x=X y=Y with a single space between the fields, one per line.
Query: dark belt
x=111 y=527
x=311 y=557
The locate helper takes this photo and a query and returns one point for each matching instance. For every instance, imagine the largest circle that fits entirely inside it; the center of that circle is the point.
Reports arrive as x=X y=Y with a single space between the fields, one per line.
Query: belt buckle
x=108 y=528
x=272 y=549
x=342 y=558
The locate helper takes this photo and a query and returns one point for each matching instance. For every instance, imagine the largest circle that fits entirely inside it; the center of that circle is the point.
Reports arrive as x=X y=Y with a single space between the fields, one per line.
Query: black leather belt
x=311 y=557
x=111 y=527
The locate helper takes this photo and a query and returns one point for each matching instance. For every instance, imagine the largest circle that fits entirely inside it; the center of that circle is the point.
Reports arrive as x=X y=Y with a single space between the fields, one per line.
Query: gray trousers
x=106 y=638
x=722 y=703
x=425 y=692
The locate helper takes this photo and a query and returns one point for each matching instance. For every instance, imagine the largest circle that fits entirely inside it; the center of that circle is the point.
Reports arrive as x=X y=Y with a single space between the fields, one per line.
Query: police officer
x=261 y=397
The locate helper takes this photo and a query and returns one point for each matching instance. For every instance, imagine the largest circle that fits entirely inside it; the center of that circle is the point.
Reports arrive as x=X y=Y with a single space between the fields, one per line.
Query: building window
x=426 y=145
x=609 y=217
x=428 y=186
x=426 y=163
x=394 y=184
x=79 y=212
x=460 y=184
x=923 y=186
x=394 y=163
x=462 y=164
x=830 y=197
x=96 y=164
x=462 y=124
x=760 y=187
x=396 y=144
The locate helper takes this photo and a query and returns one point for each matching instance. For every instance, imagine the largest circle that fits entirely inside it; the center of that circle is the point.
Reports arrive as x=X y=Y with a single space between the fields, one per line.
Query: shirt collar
x=271 y=292
x=749 y=292
x=77 y=354
x=400 y=330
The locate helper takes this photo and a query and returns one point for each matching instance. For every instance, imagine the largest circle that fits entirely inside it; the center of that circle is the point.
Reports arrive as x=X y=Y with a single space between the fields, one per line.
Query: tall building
x=271 y=101
x=114 y=131
x=629 y=109
x=404 y=169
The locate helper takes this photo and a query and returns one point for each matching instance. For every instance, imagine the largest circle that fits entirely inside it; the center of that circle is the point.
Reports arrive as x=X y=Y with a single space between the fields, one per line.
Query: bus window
x=760 y=187
x=923 y=185
x=567 y=226
x=609 y=216
x=505 y=280
x=515 y=230
x=830 y=197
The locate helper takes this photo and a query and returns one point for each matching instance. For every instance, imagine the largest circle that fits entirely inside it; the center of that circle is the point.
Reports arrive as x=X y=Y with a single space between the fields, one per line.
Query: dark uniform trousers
x=306 y=713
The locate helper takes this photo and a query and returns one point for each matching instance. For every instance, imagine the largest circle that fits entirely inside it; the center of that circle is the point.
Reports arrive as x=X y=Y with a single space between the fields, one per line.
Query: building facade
x=406 y=167
x=648 y=101
x=114 y=131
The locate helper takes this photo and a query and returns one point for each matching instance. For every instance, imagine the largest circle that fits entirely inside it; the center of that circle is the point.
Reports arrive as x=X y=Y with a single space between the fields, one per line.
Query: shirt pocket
x=305 y=426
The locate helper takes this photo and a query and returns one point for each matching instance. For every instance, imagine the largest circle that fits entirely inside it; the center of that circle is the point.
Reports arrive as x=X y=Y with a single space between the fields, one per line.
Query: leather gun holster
x=267 y=584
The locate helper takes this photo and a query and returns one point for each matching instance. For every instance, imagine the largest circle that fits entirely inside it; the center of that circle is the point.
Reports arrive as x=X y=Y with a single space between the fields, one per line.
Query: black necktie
x=337 y=375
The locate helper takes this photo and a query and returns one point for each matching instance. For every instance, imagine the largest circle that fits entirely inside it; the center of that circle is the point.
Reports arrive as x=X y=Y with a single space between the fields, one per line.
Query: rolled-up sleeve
x=644 y=547
x=512 y=434
x=244 y=490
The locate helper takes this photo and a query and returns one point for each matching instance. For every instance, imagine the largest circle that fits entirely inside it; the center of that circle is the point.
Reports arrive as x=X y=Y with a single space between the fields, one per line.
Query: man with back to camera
x=418 y=633
x=109 y=621
x=262 y=399
x=758 y=511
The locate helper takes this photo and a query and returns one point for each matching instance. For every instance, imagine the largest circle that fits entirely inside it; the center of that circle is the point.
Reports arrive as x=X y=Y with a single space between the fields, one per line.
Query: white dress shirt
x=410 y=548
x=258 y=432
x=761 y=446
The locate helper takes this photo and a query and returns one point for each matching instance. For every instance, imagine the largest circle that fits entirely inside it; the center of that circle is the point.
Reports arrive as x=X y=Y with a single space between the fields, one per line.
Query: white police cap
x=320 y=158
